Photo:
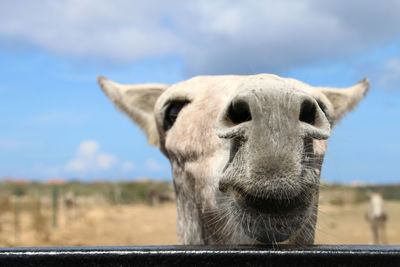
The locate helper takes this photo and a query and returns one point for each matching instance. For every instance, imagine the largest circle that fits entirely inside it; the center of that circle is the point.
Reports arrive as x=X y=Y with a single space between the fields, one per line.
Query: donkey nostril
x=239 y=112
x=307 y=112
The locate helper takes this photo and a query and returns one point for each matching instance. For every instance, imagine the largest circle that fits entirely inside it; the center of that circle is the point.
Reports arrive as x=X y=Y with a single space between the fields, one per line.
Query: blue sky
x=56 y=122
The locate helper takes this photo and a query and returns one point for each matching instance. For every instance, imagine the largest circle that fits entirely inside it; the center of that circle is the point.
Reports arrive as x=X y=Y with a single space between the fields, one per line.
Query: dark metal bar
x=202 y=256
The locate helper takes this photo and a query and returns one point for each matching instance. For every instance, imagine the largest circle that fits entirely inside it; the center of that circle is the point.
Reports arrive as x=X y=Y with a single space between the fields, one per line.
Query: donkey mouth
x=272 y=219
x=272 y=205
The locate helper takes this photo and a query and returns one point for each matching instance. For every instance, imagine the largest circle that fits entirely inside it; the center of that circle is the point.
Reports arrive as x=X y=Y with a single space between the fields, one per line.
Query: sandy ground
x=144 y=225
x=347 y=225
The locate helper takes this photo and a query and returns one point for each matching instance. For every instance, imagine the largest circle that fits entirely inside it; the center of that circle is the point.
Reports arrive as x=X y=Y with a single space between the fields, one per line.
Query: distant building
x=12 y=180
x=56 y=181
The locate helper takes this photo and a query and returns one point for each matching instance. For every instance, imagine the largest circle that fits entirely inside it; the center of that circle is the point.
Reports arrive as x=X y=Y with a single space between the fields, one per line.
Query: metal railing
x=202 y=256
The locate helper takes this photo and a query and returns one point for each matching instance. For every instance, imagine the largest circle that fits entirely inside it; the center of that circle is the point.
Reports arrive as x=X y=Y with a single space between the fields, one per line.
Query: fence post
x=55 y=206
x=18 y=192
x=16 y=218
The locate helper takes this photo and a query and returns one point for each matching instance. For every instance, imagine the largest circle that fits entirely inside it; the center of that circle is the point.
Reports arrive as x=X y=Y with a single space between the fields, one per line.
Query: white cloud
x=120 y=30
x=106 y=161
x=153 y=165
x=211 y=36
x=88 y=149
x=89 y=159
x=76 y=165
x=127 y=166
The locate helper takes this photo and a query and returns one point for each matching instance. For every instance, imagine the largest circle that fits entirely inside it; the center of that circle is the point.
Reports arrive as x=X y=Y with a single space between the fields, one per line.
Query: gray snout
x=269 y=136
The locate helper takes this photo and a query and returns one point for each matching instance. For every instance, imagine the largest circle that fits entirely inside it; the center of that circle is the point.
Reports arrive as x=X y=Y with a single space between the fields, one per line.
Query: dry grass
x=141 y=224
x=347 y=225
x=94 y=225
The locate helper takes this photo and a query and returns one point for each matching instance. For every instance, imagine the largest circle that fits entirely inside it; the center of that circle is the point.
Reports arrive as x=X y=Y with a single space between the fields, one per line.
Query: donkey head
x=246 y=151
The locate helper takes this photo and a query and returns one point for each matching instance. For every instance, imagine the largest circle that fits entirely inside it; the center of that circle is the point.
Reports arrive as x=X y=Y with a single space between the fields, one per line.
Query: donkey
x=376 y=215
x=246 y=151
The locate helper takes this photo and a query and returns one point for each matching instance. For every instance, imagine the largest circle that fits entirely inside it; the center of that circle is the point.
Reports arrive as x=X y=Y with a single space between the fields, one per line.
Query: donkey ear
x=137 y=101
x=345 y=100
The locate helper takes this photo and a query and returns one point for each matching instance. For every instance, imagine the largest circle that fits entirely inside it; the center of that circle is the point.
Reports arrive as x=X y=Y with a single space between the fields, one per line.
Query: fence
x=202 y=256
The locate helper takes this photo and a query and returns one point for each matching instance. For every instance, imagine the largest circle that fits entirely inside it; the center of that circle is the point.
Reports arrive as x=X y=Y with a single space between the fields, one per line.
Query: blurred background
x=75 y=171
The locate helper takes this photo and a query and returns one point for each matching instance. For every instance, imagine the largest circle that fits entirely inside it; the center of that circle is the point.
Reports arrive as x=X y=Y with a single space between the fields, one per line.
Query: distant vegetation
x=113 y=193
x=144 y=191
x=337 y=194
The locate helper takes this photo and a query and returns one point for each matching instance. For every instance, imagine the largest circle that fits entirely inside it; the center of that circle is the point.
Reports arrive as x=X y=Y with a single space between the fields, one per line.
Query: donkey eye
x=172 y=113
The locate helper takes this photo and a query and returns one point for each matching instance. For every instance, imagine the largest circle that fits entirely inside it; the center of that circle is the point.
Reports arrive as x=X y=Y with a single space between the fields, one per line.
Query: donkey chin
x=273 y=210
x=272 y=220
